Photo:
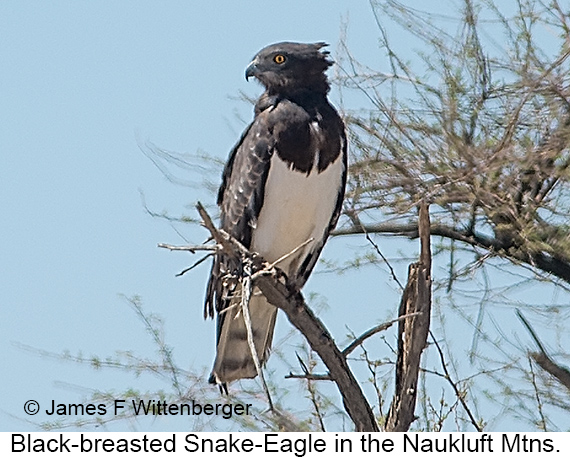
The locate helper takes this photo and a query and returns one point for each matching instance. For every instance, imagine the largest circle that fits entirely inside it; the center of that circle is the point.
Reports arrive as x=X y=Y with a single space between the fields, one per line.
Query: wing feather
x=240 y=199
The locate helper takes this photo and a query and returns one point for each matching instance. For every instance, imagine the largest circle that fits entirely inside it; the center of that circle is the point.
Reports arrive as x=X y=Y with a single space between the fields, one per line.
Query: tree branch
x=543 y=261
x=312 y=377
x=544 y=361
x=413 y=332
x=373 y=331
x=318 y=337
x=562 y=374
x=273 y=285
x=458 y=394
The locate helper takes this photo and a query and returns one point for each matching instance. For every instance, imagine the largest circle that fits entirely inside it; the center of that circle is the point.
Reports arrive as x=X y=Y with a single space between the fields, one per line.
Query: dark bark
x=541 y=357
x=412 y=333
x=550 y=264
x=302 y=318
x=562 y=374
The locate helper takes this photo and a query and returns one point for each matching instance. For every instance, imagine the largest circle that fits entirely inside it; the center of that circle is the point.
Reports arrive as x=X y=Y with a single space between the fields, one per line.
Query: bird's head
x=290 y=67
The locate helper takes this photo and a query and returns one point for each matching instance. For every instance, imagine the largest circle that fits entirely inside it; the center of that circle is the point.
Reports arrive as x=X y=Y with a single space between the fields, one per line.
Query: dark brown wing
x=240 y=198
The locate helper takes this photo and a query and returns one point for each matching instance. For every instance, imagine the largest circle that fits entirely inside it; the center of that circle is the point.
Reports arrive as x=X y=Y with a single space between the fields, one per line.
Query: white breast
x=296 y=207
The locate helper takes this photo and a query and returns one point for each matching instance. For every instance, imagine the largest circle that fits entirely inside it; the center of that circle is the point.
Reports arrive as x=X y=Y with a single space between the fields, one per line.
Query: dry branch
x=274 y=287
x=318 y=337
x=412 y=332
x=551 y=264
x=371 y=332
x=544 y=361
x=312 y=377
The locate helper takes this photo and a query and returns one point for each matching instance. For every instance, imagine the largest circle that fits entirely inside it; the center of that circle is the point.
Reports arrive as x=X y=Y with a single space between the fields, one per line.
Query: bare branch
x=544 y=361
x=313 y=376
x=280 y=294
x=194 y=265
x=412 y=333
x=373 y=331
x=558 y=267
x=191 y=249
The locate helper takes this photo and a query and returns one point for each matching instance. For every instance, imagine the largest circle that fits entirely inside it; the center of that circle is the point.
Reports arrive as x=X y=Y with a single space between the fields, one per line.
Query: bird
x=281 y=195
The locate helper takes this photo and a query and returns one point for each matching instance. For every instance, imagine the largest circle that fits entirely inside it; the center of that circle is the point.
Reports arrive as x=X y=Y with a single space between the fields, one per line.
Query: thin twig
x=537 y=395
x=311 y=376
x=194 y=265
x=458 y=394
x=379 y=252
x=312 y=393
x=373 y=331
x=246 y=287
x=289 y=254
x=192 y=249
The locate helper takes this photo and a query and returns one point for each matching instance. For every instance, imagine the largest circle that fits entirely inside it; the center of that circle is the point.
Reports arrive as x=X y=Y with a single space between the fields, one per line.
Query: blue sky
x=82 y=86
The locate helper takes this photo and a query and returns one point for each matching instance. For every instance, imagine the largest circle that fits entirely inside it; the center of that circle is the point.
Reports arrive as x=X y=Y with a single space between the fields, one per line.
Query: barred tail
x=233 y=354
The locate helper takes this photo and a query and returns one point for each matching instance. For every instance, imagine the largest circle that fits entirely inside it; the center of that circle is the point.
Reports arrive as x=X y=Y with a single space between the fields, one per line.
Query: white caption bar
x=289 y=444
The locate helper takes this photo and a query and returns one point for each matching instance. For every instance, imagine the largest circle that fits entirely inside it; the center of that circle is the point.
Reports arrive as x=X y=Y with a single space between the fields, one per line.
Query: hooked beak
x=251 y=70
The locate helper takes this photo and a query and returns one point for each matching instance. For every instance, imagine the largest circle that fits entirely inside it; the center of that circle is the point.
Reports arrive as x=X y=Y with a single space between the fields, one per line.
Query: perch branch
x=318 y=337
x=280 y=294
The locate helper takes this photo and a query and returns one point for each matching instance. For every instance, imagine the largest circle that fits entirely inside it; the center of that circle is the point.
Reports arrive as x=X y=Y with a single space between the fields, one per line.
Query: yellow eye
x=279 y=58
